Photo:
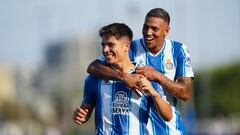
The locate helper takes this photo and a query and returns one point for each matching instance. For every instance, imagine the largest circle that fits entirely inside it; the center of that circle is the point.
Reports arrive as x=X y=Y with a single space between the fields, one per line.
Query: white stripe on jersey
x=150 y=127
x=172 y=124
x=189 y=70
x=134 y=115
x=140 y=56
x=106 y=93
x=168 y=56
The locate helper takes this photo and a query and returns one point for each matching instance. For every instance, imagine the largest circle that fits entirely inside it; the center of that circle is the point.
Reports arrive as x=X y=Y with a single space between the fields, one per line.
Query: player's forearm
x=163 y=108
x=100 y=70
x=180 y=89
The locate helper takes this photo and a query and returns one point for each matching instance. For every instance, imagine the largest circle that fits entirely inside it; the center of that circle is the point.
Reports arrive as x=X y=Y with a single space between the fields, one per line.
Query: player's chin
x=111 y=62
x=149 y=43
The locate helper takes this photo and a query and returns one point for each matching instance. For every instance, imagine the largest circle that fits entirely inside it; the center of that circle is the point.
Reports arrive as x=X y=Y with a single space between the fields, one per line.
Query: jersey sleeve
x=131 y=51
x=90 y=88
x=184 y=67
x=101 y=58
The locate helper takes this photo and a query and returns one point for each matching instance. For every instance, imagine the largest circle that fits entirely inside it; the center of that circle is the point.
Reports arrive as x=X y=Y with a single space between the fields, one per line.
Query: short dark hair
x=118 y=30
x=160 y=13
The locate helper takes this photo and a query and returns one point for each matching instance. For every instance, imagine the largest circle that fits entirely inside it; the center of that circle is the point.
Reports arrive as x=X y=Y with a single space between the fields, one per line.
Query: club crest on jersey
x=120 y=104
x=169 y=64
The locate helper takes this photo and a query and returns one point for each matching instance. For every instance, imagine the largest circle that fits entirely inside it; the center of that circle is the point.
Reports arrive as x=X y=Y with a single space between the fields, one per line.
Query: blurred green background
x=46 y=46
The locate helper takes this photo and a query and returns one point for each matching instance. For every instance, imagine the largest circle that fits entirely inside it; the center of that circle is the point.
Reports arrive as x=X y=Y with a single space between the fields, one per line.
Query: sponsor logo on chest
x=120 y=105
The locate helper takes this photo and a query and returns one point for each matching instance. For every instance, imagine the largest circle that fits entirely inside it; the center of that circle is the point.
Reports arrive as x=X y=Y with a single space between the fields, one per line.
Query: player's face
x=154 y=31
x=114 y=50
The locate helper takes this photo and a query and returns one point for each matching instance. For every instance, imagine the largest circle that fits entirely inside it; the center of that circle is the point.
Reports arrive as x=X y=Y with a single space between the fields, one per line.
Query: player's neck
x=156 y=49
x=124 y=66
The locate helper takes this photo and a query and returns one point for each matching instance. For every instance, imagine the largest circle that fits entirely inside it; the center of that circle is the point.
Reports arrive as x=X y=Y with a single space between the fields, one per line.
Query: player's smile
x=148 y=39
x=109 y=56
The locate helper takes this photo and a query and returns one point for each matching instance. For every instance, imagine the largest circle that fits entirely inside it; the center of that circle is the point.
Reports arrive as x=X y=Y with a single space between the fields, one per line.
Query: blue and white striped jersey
x=118 y=110
x=173 y=61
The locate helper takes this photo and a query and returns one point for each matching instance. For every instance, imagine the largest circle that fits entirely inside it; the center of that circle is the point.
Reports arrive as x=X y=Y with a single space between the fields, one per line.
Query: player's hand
x=145 y=87
x=149 y=72
x=131 y=79
x=80 y=115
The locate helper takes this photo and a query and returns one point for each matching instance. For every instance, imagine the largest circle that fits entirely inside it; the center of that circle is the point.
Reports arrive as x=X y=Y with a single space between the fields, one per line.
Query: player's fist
x=80 y=115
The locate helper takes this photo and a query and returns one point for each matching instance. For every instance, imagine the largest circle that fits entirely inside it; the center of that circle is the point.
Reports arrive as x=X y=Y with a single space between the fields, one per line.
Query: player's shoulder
x=138 y=41
x=176 y=44
x=90 y=79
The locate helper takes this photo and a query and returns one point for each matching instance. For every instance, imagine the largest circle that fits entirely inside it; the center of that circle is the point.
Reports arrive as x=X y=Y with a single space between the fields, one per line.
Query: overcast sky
x=210 y=28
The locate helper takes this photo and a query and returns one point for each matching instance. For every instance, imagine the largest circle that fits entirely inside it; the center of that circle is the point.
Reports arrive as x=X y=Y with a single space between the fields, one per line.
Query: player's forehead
x=153 y=21
x=110 y=38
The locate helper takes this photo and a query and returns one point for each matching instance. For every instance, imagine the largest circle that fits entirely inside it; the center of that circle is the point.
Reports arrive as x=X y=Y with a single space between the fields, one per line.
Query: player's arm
x=82 y=113
x=181 y=88
x=163 y=108
x=101 y=70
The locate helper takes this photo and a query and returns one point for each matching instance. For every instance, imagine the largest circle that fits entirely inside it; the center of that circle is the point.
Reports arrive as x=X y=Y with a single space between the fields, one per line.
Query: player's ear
x=128 y=44
x=167 y=30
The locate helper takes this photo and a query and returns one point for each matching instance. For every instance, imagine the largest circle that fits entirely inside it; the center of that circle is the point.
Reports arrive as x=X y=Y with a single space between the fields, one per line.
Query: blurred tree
x=17 y=111
x=225 y=84
x=217 y=91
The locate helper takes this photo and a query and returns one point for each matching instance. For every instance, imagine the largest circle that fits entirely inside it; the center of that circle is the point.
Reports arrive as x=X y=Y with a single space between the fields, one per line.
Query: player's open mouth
x=108 y=56
x=149 y=39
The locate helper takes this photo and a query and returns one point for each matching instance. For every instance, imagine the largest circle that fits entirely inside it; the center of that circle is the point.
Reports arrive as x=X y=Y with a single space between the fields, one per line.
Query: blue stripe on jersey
x=177 y=51
x=179 y=123
x=180 y=56
x=91 y=96
x=153 y=122
x=89 y=93
x=162 y=54
x=132 y=51
x=174 y=54
x=98 y=109
x=155 y=62
x=113 y=119
x=158 y=124
x=143 y=114
x=183 y=65
x=129 y=102
x=143 y=45
x=175 y=64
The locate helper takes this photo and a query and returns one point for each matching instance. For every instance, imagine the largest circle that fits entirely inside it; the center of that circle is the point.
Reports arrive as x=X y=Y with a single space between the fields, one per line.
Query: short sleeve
x=90 y=88
x=101 y=58
x=184 y=67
